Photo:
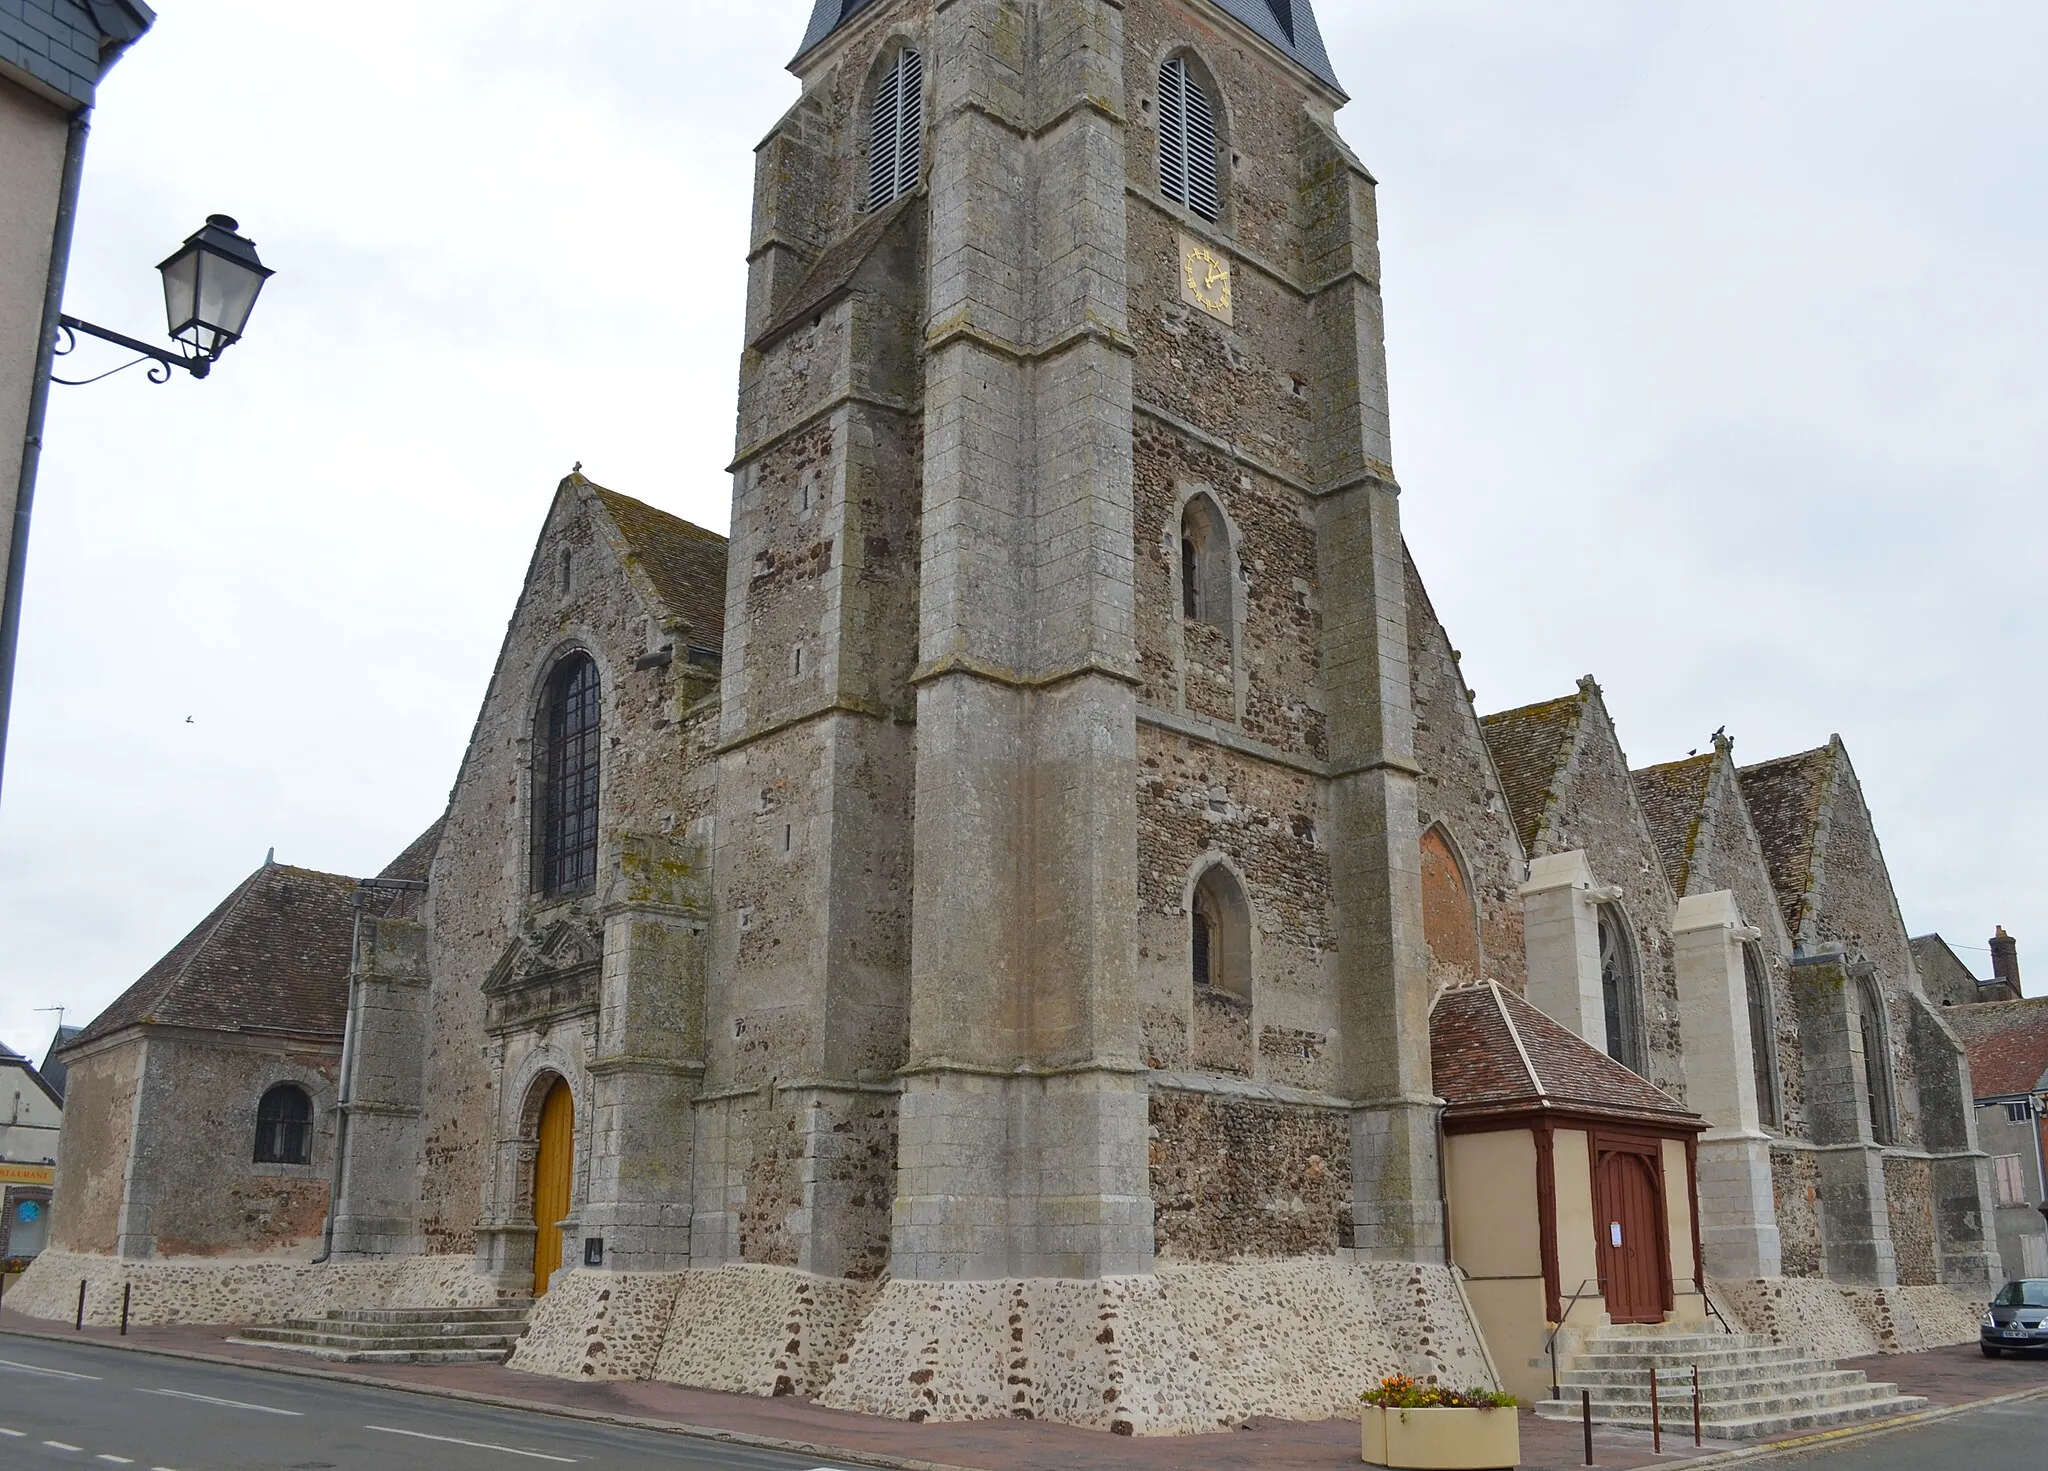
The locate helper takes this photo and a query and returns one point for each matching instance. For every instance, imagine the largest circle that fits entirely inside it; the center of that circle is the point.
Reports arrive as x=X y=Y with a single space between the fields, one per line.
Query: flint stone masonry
x=240 y=1292
x=1841 y=1322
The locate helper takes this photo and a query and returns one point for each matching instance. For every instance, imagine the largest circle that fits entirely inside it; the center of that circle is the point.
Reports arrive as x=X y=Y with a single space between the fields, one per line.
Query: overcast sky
x=1716 y=334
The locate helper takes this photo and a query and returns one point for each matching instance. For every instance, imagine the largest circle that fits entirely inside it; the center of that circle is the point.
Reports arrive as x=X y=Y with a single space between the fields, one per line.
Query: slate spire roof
x=1491 y=1051
x=1287 y=24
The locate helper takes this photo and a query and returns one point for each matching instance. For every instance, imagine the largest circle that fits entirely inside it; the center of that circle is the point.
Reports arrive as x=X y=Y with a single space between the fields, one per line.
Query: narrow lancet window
x=1877 y=1078
x=896 y=131
x=1621 y=990
x=1188 y=144
x=1220 y=945
x=1762 y=1042
x=1204 y=564
x=571 y=731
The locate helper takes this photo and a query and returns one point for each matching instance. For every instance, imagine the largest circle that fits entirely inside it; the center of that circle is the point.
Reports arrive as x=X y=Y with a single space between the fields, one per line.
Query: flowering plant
x=1399 y=1392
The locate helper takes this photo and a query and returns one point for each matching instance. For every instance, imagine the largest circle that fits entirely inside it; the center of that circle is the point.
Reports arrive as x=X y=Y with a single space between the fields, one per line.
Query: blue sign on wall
x=30 y=1210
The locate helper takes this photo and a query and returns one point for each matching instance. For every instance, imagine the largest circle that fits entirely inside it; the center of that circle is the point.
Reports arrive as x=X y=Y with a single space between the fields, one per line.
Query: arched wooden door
x=551 y=1176
x=1635 y=1271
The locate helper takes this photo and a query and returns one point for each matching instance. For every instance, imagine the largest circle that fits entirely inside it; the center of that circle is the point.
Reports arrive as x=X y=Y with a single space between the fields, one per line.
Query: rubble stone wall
x=240 y=1293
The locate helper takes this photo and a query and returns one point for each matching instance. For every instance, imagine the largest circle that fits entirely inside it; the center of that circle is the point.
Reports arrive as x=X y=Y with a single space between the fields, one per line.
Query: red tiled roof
x=1785 y=797
x=273 y=957
x=2008 y=1045
x=1674 y=799
x=1490 y=1049
x=685 y=563
x=1530 y=747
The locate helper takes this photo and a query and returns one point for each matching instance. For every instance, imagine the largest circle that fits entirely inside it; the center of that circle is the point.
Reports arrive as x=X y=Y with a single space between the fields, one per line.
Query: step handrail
x=1550 y=1343
x=1701 y=1284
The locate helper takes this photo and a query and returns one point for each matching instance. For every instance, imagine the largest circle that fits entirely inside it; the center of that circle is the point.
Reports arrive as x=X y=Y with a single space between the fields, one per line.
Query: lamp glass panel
x=181 y=290
x=227 y=294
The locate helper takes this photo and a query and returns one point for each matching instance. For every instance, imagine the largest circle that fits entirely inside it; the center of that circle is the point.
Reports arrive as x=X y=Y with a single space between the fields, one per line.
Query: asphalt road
x=98 y=1409
x=1996 y=1438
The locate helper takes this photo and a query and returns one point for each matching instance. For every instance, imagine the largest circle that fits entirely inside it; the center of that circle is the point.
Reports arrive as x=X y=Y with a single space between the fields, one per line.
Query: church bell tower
x=1066 y=771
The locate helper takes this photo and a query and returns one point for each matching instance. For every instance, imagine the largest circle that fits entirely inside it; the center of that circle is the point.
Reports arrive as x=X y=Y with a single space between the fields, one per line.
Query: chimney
x=2005 y=960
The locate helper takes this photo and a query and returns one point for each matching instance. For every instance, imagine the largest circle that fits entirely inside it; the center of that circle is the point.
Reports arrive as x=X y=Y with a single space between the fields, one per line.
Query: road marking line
x=13 y=1434
x=53 y=1373
x=232 y=1404
x=58 y=1445
x=475 y=1445
x=117 y=1460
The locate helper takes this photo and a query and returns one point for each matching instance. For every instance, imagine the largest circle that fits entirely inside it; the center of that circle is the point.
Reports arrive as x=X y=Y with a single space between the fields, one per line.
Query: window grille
x=569 y=778
x=1188 y=145
x=2012 y=1184
x=1205 y=942
x=1761 y=1041
x=896 y=132
x=2019 y=1113
x=284 y=1127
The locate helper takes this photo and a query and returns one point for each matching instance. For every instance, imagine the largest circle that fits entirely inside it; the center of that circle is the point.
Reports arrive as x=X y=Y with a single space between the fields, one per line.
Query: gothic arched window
x=1621 y=990
x=571 y=732
x=1189 y=147
x=1221 y=943
x=1877 y=1076
x=1448 y=926
x=896 y=130
x=1204 y=564
x=1762 y=1036
x=284 y=1127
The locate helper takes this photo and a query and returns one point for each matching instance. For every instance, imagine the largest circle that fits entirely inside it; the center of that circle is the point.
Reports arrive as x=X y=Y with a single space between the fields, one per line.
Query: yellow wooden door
x=551 y=1173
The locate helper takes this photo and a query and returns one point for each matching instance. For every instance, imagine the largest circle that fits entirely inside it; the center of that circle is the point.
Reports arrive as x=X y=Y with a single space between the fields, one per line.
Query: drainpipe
x=38 y=409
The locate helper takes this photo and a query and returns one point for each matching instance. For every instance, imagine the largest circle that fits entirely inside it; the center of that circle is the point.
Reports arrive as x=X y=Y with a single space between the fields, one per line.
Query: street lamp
x=210 y=288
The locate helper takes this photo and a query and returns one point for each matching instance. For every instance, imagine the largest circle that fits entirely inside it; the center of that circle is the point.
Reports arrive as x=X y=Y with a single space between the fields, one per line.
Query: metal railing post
x=1586 y=1418
x=126 y=1289
x=1656 y=1415
x=1696 y=1405
x=79 y=1326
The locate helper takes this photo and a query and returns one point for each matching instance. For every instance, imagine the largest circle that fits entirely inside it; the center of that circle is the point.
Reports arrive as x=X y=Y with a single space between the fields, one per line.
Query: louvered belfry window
x=1187 y=142
x=569 y=771
x=896 y=132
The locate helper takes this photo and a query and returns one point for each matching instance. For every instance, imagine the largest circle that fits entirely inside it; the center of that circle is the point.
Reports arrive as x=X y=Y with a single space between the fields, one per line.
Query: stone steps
x=399 y=1335
x=1750 y=1388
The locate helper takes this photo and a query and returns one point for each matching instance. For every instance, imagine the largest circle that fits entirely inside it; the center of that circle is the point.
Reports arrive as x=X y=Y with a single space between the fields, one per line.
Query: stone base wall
x=1188 y=1350
x=240 y=1293
x=1841 y=1322
x=742 y=1329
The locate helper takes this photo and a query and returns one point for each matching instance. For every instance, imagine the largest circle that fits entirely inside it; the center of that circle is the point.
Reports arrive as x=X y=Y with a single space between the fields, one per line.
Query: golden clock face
x=1205 y=279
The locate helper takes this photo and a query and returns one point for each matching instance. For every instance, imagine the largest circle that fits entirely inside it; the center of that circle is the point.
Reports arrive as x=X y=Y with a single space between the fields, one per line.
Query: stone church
x=984 y=939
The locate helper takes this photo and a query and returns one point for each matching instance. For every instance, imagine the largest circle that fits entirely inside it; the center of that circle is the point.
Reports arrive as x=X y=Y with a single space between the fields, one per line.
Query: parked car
x=2017 y=1318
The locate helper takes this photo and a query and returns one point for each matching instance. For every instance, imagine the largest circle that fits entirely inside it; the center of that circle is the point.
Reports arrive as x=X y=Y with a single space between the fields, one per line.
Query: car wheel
x=1990 y=1352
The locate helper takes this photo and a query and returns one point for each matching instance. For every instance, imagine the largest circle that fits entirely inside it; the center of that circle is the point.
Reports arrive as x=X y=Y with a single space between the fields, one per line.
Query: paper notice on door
x=1614 y=1233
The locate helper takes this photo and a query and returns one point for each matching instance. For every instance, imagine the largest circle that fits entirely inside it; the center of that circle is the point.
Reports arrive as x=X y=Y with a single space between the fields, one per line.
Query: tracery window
x=1220 y=942
x=896 y=130
x=1762 y=1036
x=571 y=731
x=1204 y=564
x=284 y=1127
x=1877 y=1077
x=1621 y=990
x=1189 y=147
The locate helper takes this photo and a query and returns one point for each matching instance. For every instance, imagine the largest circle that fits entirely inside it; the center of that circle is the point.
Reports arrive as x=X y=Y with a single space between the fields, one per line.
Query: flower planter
x=1441 y=1440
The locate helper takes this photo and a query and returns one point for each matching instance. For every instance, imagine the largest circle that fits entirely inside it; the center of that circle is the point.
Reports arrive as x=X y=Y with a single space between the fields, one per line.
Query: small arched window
x=896 y=130
x=1621 y=990
x=1877 y=1075
x=284 y=1127
x=1204 y=564
x=1762 y=1036
x=1188 y=144
x=571 y=732
x=1448 y=926
x=1221 y=943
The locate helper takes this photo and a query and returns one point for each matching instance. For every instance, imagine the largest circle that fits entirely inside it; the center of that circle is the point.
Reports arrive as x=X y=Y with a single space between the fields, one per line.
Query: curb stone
x=1774 y=1449
x=500 y=1402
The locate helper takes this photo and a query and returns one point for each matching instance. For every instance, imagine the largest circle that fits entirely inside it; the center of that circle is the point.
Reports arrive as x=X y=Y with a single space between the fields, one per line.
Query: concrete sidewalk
x=1946 y=1377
